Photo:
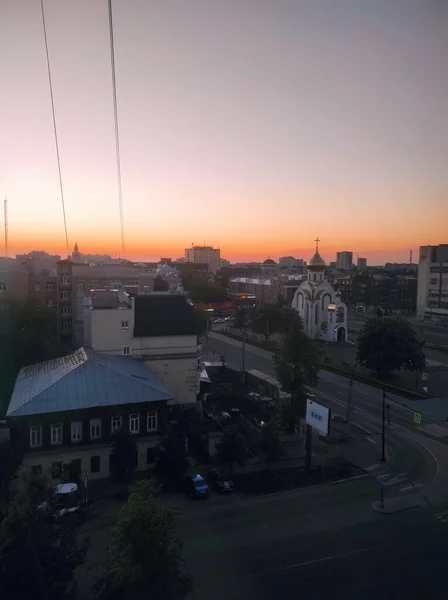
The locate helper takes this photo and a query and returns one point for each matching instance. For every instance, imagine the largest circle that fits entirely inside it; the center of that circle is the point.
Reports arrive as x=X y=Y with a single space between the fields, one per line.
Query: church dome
x=269 y=261
x=316 y=263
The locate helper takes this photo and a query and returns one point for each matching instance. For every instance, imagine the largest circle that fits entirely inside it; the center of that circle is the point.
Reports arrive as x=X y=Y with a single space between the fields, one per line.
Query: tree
x=10 y=460
x=172 y=462
x=388 y=343
x=231 y=449
x=37 y=555
x=124 y=455
x=270 y=442
x=205 y=292
x=160 y=285
x=268 y=319
x=297 y=367
x=27 y=336
x=145 y=558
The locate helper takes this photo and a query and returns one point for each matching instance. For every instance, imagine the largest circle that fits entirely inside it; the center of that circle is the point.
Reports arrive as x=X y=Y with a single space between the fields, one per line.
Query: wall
x=173 y=359
x=65 y=455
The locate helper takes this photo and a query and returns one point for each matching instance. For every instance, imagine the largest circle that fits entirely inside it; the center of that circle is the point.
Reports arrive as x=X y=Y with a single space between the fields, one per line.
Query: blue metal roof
x=84 y=379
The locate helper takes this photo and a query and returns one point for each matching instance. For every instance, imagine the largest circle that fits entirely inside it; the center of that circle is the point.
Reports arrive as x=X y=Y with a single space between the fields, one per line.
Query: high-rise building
x=362 y=263
x=206 y=255
x=432 y=292
x=344 y=260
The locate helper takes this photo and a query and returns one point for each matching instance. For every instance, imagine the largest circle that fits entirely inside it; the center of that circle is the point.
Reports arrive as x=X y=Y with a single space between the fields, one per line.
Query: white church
x=323 y=314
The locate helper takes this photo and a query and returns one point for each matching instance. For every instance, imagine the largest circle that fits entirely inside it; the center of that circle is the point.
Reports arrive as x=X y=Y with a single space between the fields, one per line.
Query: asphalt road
x=417 y=454
x=315 y=543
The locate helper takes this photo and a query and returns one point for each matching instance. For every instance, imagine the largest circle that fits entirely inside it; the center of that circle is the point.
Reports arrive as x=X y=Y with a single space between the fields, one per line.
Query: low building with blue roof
x=63 y=412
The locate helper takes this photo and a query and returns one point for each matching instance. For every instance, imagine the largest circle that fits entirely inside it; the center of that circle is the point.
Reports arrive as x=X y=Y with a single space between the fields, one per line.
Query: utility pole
x=243 y=351
x=6 y=225
x=383 y=437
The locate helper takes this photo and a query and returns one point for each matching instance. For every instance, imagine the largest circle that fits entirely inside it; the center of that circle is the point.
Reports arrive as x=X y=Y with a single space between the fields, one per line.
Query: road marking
x=399 y=479
x=414 y=486
x=373 y=467
x=385 y=476
x=435 y=430
x=442 y=516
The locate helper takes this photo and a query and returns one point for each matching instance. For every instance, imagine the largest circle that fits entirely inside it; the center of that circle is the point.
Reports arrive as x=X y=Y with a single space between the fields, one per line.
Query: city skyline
x=256 y=129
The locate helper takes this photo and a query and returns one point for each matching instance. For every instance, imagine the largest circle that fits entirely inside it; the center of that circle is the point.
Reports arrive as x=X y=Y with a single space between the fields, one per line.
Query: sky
x=253 y=126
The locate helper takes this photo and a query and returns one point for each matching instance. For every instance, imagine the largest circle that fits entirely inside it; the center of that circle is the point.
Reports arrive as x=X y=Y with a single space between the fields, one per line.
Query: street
x=328 y=539
x=315 y=542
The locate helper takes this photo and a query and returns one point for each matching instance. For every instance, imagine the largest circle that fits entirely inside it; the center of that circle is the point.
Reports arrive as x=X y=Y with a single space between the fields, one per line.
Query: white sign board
x=424 y=376
x=318 y=416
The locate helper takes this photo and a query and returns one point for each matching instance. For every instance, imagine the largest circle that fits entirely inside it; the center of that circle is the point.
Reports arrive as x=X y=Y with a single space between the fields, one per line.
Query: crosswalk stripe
x=411 y=487
x=395 y=480
x=384 y=476
x=442 y=515
x=373 y=468
x=435 y=430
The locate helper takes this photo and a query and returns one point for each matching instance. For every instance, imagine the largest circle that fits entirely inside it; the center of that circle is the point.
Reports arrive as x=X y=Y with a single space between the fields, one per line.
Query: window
x=152 y=421
x=65 y=279
x=95 y=285
x=126 y=350
x=124 y=325
x=50 y=302
x=65 y=309
x=80 y=301
x=80 y=286
x=2 y=286
x=151 y=454
x=116 y=423
x=115 y=284
x=95 y=464
x=50 y=286
x=433 y=281
x=56 y=470
x=134 y=423
x=95 y=429
x=36 y=469
x=56 y=433
x=35 y=436
x=65 y=295
x=37 y=287
x=38 y=303
x=65 y=326
x=76 y=431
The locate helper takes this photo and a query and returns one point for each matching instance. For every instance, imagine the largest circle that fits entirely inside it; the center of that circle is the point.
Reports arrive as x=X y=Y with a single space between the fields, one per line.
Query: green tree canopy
x=268 y=319
x=145 y=557
x=270 y=442
x=123 y=458
x=172 y=462
x=232 y=448
x=388 y=343
x=297 y=367
x=37 y=555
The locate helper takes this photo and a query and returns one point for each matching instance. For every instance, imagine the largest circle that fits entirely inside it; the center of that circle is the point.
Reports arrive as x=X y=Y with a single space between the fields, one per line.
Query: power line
x=117 y=138
x=54 y=124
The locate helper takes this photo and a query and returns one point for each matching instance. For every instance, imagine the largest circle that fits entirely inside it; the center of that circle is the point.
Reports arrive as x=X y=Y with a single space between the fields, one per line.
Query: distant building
x=63 y=413
x=14 y=281
x=362 y=263
x=344 y=260
x=323 y=314
x=289 y=262
x=204 y=255
x=397 y=292
x=432 y=295
x=160 y=329
x=77 y=281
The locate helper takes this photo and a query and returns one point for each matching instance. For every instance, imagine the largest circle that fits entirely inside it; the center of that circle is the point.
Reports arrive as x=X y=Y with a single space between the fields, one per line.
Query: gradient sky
x=253 y=125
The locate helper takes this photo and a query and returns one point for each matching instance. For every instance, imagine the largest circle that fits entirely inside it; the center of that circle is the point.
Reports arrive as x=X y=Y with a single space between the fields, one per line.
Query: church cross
x=317 y=240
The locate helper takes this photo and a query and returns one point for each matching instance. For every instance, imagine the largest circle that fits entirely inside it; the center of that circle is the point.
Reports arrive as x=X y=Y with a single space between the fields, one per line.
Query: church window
x=316 y=314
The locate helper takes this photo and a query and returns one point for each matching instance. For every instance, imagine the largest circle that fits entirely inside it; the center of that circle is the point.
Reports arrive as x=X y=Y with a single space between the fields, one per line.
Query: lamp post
x=383 y=428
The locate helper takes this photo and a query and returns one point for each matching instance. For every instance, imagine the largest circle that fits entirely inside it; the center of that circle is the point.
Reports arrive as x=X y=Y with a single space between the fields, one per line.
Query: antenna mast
x=6 y=226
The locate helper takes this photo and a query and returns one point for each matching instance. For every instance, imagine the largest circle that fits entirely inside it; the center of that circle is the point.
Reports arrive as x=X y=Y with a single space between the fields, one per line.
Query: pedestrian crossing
x=399 y=481
x=435 y=430
x=442 y=516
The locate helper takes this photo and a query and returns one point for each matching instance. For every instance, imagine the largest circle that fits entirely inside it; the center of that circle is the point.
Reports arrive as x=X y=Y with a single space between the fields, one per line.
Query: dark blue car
x=196 y=486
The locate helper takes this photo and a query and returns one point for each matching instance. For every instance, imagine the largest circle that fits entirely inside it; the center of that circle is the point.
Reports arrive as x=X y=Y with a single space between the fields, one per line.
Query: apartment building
x=265 y=290
x=432 y=293
x=160 y=329
x=344 y=260
x=63 y=413
x=75 y=282
x=204 y=255
x=42 y=281
x=395 y=293
x=13 y=281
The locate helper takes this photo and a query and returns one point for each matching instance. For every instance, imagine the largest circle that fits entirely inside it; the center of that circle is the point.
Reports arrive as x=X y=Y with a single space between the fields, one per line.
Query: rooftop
x=164 y=314
x=81 y=380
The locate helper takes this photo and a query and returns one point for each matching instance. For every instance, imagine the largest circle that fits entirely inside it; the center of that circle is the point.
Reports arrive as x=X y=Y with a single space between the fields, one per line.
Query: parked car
x=220 y=482
x=196 y=486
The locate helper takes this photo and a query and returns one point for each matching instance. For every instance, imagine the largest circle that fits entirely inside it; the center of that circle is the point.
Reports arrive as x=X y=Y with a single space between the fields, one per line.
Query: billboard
x=318 y=416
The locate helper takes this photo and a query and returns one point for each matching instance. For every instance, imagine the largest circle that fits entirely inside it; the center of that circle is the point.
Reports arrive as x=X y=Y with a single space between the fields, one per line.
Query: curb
x=350 y=478
x=382 y=510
